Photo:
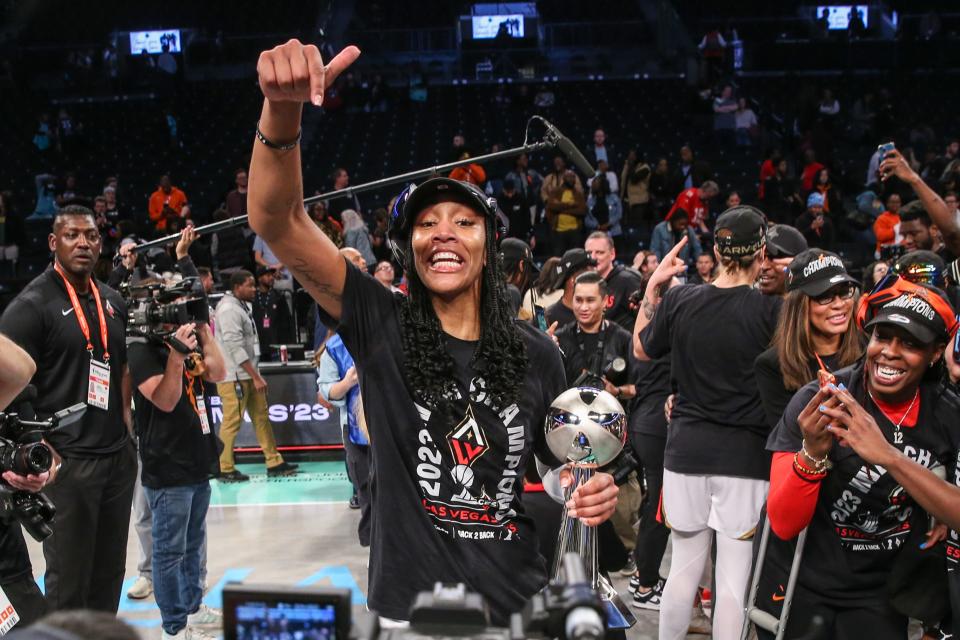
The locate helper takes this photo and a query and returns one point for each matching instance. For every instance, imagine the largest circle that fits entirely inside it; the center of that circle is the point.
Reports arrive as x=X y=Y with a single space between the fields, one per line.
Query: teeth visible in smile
x=889 y=373
x=445 y=256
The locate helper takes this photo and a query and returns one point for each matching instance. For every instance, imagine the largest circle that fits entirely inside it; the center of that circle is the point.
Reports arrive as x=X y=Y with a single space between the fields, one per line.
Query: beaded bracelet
x=806 y=473
x=273 y=145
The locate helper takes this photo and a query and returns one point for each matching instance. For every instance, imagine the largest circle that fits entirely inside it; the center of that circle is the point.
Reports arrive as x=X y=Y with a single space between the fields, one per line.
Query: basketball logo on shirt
x=467 y=443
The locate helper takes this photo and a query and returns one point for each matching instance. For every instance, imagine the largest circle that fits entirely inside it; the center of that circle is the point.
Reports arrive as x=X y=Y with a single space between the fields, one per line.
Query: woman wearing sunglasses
x=852 y=462
x=815 y=332
x=455 y=388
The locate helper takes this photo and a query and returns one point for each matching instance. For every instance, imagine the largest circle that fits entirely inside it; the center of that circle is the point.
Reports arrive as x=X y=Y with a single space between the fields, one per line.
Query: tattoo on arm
x=305 y=273
x=649 y=309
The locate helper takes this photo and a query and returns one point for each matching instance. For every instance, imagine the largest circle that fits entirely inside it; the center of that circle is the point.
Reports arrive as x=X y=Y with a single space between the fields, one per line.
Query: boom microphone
x=569 y=149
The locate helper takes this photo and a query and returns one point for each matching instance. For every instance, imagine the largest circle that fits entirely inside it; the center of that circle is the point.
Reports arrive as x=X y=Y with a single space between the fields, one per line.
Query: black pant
x=562 y=241
x=27 y=600
x=876 y=623
x=87 y=553
x=358 y=468
x=652 y=535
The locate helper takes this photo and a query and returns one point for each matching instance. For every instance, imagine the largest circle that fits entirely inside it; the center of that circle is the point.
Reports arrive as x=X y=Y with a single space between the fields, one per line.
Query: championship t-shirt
x=713 y=336
x=863 y=516
x=446 y=494
x=173 y=446
x=773 y=394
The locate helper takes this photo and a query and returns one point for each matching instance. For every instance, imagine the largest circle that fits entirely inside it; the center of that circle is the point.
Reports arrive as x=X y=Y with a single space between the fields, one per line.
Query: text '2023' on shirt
x=446 y=495
x=863 y=516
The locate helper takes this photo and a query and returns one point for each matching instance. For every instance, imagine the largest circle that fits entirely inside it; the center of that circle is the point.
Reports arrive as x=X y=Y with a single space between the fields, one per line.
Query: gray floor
x=284 y=545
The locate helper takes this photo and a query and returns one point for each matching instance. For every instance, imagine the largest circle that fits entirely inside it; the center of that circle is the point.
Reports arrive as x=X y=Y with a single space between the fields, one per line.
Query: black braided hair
x=501 y=354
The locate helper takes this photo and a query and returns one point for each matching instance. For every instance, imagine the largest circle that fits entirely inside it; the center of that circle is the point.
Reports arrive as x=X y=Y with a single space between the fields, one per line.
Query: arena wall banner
x=297 y=419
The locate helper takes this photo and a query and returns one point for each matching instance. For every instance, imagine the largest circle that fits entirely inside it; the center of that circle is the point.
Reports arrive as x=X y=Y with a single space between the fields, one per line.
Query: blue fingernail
x=832 y=386
x=923 y=545
x=842 y=388
x=823 y=407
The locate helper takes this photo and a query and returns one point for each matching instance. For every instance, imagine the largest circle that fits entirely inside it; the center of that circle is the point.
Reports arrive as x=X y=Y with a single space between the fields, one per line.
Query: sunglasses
x=845 y=292
x=919 y=273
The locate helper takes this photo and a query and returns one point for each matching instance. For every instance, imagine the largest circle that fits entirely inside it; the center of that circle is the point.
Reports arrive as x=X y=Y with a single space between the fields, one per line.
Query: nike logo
x=777 y=598
x=67 y=312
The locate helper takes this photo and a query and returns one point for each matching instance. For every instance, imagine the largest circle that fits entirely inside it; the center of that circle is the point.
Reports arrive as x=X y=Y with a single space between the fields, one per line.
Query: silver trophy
x=587 y=429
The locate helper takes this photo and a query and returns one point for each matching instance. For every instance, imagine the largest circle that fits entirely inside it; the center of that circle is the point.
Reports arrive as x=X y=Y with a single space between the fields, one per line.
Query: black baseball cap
x=922 y=267
x=784 y=241
x=740 y=231
x=815 y=272
x=261 y=270
x=572 y=261
x=513 y=250
x=913 y=312
x=441 y=189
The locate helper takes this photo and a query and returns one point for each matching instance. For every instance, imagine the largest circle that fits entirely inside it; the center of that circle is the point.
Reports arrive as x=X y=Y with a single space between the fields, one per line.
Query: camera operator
x=179 y=454
x=593 y=345
x=16 y=574
x=74 y=329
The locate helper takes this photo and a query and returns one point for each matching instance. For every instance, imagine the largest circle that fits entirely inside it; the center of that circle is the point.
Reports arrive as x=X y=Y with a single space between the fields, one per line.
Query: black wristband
x=273 y=145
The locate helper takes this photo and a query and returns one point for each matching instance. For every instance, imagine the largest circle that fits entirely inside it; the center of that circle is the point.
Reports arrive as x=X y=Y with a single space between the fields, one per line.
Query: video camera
x=567 y=609
x=153 y=308
x=23 y=452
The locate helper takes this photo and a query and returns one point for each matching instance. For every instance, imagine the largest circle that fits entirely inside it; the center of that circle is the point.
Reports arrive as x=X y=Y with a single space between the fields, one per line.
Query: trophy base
x=619 y=615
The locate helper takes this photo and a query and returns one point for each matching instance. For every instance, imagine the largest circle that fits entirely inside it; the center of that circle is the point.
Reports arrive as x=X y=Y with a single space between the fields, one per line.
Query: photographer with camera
x=74 y=328
x=456 y=388
x=596 y=351
x=178 y=450
x=16 y=574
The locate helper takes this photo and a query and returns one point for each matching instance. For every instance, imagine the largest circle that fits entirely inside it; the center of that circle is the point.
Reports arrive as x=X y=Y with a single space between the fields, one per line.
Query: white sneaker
x=205 y=617
x=142 y=588
x=181 y=635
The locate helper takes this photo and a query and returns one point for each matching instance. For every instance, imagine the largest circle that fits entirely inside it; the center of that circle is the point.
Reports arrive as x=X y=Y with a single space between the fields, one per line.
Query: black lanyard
x=598 y=356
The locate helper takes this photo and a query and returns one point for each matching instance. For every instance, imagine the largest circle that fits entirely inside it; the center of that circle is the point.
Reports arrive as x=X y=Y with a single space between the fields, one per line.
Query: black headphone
x=399 y=223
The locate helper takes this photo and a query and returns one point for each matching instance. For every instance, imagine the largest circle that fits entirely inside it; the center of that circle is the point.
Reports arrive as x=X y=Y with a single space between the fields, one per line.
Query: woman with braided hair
x=455 y=389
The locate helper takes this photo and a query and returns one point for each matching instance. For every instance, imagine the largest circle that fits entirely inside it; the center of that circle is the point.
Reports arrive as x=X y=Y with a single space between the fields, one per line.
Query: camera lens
x=32 y=459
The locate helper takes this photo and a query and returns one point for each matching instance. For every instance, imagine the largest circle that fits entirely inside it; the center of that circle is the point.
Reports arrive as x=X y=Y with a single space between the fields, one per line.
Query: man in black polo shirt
x=74 y=329
x=573 y=263
x=179 y=453
x=271 y=313
x=621 y=281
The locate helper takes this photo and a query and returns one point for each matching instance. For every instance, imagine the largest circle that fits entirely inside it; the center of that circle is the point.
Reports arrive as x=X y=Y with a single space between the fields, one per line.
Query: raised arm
x=895 y=164
x=290 y=75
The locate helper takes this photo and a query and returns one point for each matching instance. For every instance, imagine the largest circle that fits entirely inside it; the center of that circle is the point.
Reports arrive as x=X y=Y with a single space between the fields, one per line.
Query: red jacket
x=689 y=201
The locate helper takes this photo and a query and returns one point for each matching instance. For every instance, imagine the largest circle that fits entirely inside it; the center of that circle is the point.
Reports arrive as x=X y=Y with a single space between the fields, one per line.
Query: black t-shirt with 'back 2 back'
x=446 y=495
x=713 y=336
x=863 y=517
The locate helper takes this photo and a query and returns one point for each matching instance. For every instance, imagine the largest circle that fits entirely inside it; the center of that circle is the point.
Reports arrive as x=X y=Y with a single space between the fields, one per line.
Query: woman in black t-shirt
x=815 y=332
x=864 y=502
x=455 y=388
x=715 y=467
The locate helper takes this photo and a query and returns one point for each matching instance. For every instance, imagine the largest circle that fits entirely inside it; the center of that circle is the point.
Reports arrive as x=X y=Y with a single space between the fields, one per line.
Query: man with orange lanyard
x=74 y=329
x=179 y=454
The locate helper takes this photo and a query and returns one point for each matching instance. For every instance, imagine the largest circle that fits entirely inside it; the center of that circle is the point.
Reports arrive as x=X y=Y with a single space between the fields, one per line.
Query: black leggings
x=652 y=536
